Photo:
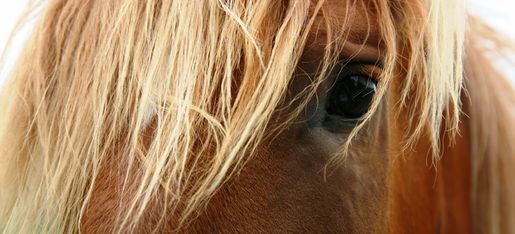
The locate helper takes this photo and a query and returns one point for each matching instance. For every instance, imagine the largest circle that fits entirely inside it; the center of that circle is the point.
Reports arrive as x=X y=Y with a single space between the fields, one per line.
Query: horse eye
x=351 y=96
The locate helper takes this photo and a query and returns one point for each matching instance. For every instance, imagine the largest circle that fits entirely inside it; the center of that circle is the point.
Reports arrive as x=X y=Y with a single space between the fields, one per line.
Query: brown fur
x=286 y=186
x=282 y=189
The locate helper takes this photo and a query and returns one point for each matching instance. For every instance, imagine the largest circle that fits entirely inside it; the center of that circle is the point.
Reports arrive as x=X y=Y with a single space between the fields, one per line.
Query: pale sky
x=498 y=13
x=10 y=11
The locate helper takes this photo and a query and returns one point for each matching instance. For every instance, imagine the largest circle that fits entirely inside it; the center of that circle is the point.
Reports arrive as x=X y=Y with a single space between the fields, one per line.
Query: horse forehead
x=355 y=20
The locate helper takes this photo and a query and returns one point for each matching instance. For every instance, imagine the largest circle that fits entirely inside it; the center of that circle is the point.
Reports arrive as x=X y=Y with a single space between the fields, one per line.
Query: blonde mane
x=180 y=93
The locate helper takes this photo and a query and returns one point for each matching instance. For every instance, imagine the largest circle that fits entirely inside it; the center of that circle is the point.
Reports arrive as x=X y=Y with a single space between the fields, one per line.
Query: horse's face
x=254 y=116
x=283 y=187
x=290 y=182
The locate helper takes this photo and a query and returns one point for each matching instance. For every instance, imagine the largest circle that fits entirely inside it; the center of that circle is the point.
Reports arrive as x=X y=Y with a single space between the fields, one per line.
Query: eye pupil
x=351 y=96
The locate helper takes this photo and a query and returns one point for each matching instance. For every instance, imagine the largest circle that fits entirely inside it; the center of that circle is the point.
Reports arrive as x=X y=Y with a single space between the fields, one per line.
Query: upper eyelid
x=368 y=68
x=357 y=62
x=355 y=66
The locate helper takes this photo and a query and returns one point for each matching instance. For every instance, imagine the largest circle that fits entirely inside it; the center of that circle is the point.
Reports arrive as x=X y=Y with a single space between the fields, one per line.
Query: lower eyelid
x=337 y=124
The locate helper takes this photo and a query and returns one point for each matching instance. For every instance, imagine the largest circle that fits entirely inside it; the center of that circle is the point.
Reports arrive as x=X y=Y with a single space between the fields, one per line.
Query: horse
x=257 y=116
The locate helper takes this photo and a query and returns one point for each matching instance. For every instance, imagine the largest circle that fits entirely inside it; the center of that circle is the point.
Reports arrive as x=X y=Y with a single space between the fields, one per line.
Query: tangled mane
x=179 y=94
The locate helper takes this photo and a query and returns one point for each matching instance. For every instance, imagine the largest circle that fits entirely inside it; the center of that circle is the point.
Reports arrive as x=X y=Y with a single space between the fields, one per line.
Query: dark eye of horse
x=351 y=96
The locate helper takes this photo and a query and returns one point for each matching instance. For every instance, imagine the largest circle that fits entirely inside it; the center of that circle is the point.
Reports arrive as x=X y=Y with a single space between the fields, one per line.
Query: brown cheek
x=283 y=189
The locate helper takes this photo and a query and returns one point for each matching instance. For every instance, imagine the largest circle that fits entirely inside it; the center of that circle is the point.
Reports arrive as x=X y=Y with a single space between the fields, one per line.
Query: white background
x=498 y=13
